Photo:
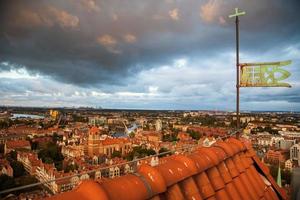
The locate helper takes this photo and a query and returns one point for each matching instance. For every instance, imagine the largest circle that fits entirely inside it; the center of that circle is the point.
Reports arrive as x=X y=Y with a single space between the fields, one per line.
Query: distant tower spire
x=279 y=176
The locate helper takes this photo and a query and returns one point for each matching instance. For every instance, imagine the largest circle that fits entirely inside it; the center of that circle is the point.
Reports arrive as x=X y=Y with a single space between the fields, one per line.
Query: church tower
x=93 y=141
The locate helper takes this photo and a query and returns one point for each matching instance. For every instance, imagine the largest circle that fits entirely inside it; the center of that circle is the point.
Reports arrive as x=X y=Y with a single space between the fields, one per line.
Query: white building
x=45 y=173
x=114 y=172
x=98 y=174
x=73 y=151
x=128 y=169
x=285 y=144
x=154 y=161
x=30 y=161
x=207 y=142
x=158 y=125
x=264 y=141
x=295 y=152
x=246 y=119
x=288 y=165
x=97 y=121
x=276 y=141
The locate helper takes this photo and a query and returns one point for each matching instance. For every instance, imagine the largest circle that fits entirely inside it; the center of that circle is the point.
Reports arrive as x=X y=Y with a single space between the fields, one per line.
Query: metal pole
x=237 y=75
x=236 y=15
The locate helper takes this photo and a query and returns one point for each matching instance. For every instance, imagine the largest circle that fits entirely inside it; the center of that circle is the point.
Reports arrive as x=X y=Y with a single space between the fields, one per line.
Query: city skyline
x=144 y=55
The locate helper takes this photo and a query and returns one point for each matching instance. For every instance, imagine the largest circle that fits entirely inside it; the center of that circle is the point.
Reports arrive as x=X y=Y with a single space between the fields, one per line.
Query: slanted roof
x=228 y=170
x=14 y=144
x=94 y=130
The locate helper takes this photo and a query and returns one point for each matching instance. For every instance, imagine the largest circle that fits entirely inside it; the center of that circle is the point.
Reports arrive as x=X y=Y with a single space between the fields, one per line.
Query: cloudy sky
x=158 y=54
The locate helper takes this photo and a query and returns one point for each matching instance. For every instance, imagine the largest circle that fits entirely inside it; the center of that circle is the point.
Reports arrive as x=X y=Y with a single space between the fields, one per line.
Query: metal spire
x=279 y=176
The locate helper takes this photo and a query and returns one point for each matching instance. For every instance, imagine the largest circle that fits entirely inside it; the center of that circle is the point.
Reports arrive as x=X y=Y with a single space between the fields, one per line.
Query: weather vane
x=237 y=13
x=263 y=74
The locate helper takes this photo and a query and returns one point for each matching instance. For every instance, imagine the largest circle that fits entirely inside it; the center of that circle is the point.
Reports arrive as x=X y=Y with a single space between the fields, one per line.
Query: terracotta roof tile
x=205 y=187
x=215 y=178
x=227 y=170
x=125 y=185
x=202 y=162
x=174 y=192
x=17 y=144
x=232 y=191
x=225 y=146
x=173 y=171
x=154 y=178
x=94 y=130
x=222 y=194
x=190 y=189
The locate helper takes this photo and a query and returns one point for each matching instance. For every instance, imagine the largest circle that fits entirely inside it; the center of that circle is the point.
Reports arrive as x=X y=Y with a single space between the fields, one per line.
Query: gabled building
x=30 y=161
x=5 y=168
x=295 y=152
x=106 y=145
x=288 y=165
x=276 y=156
x=11 y=145
x=183 y=136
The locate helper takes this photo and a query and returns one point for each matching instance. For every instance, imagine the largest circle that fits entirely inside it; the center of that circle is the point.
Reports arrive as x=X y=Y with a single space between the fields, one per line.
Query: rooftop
x=17 y=143
x=94 y=130
x=111 y=141
x=228 y=170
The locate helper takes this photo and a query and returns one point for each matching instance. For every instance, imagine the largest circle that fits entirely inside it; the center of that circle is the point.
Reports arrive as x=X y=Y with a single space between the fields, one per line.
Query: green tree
x=52 y=154
x=56 y=137
x=116 y=154
x=41 y=124
x=1 y=148
x=170 y=137
x=58 y=165
x=150 y=152
x=286 y=176
x=48 y=160
x=6 y=182
x=43 y=154
x=139 y=152
x=71 y=167
x=131 y=135
x=11 y=156
x=28 y=179
x=273 y=171
x=5 y=123
x=163 y=150
x=34 y=145
x=18 y=168
x=194 y=134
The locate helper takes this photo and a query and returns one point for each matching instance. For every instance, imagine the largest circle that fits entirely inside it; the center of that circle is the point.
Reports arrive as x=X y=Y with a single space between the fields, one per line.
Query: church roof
x=94 y=130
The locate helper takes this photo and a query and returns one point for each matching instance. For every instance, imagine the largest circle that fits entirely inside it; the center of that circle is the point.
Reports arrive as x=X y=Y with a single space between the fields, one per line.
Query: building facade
x=295 y=152
x=98 y=145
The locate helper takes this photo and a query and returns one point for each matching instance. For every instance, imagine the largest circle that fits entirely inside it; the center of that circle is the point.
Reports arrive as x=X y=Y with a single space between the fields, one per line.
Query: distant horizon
x=145 y=109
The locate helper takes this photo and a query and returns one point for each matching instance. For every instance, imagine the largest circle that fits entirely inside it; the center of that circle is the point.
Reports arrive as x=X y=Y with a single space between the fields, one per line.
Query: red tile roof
x=209 y=131
x=14 y=144
x=94 y=130
x=112 y=141
x=227 y=170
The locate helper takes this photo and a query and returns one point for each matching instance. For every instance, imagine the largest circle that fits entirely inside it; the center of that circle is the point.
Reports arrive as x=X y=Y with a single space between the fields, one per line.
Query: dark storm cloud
x=290 y=96
x=106 y=42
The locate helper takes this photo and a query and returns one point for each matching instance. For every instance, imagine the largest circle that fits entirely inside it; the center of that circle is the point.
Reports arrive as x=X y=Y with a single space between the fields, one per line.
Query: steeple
x=279 y=176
